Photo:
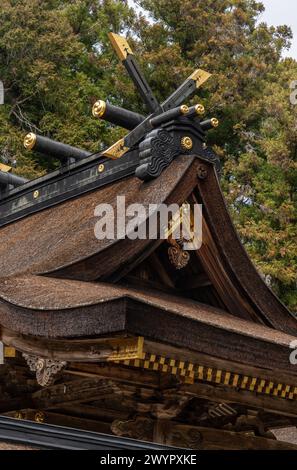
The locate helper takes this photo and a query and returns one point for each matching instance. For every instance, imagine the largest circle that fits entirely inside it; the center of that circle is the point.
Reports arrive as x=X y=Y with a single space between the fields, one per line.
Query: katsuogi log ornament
x=8 y=180
x=63 y=152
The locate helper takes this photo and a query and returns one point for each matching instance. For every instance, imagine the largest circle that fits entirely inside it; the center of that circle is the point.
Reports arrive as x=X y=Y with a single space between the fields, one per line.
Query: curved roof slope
x=53 y=308
x=61 y=240
x=60 y=243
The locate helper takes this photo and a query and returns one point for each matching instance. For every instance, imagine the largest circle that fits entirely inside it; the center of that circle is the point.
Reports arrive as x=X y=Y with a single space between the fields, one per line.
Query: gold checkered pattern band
x=190 y=373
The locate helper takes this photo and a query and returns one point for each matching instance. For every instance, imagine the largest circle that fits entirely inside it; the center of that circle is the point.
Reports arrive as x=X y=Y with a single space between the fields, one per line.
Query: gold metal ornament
x=186 y=143
x=120 y=45
x=39 y=417
x=200 y=110
x=36 y=194
x=30 y=141
x=9 y=351
x=200 y=76
x=99 y=109
x=116 y=150
x=101 y=168
x=215 y=122
x=184 y=109
x=5 y=168
x=126 y=349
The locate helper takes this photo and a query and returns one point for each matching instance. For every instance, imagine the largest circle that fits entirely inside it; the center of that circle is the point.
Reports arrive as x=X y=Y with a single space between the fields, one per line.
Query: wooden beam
x=61 y=420
x=77 y=391
x=14 y=403
x=248 y=399
x=137 y=283
x=211 y=260
x=195 y=281
x=120 y=373
x=93 y=412
x=160 y=270
x=91 y=389
x=86 y=350
x=196 y=437
x=182 y=354
x=123 y=373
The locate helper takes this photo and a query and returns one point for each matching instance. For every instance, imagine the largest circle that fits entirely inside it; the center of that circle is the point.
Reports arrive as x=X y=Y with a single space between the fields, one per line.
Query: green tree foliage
x=56 y=60
x=54 y=64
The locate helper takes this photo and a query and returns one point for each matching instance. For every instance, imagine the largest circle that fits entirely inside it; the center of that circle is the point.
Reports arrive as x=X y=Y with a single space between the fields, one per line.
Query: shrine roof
x=59 y=242
x=55 y=308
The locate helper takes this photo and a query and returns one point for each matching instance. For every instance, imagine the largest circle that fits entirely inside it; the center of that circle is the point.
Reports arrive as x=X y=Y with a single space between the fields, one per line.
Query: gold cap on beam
x=30 y=141
x=120 y=45
x=215 y=122
x=99 y=109
x=200 y=110
x=200 y=76
x=184 y=109
x=5 y=168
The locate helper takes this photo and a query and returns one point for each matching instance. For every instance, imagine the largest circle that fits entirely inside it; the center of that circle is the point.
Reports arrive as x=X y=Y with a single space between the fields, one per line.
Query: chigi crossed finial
x=171 y=128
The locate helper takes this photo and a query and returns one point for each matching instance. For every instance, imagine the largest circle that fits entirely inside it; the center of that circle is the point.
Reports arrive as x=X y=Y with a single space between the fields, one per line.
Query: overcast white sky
x=282 y=12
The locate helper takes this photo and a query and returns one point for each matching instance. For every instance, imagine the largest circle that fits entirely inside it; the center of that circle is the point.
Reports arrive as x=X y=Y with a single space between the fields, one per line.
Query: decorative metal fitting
x=186 y=143
x=215 y=122
x=46 y=369
x=30 y=141
x=184 y=109
x=36 y=194
x=178 y=257
x=202 y=172
x=120 y=45
x=101 y=168
x=5 y=168
x=200 y=110
x=99 y=109
x=39 y=417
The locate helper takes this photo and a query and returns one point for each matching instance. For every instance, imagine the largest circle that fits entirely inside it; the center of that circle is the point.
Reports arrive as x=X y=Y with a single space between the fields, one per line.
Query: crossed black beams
x=190 y=85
